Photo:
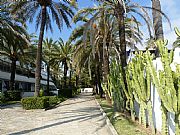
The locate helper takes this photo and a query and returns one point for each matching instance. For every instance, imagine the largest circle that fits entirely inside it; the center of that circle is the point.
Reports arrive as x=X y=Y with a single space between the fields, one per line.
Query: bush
x=41 y=93
x=2 y=98
x=53 y=100
x=35 y=103
x=12 y=95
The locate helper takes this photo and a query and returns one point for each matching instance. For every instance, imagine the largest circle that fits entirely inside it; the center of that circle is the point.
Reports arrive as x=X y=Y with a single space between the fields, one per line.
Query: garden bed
x=122 y=122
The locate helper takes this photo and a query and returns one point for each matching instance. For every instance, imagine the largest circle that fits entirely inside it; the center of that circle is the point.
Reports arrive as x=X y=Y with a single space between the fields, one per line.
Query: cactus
x=141 y=83
x=115 y=87
x=167 y=83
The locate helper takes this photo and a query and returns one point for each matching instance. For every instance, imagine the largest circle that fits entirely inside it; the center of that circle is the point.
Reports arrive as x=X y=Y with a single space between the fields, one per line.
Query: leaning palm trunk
x=106 y=70
x=39 y=52
x=13 y=72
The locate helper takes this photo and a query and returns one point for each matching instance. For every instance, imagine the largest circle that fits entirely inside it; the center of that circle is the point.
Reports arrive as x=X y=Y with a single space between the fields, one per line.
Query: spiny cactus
x=167 y=83
x=141 y=83
x=115 y=86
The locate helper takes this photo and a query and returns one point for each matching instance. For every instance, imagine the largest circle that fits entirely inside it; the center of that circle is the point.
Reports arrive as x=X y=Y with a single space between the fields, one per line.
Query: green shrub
x=53 y=100
x=12 y=95
x=2 y=98
x=61 y=98
x=35 y=103
x=41 y=93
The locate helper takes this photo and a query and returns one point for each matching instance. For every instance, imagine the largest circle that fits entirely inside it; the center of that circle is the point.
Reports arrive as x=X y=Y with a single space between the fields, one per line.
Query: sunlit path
x=76 y=116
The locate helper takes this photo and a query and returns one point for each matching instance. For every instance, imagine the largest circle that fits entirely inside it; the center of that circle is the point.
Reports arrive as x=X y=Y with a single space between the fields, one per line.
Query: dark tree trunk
x=39 y=53
x=65 y=73
x=122 y=50
x=48 y=74
x=77 y=80
x=98 y=77
x=157 y=22
x=70 y=77
x=105 y=64
x=122 y=38
x=13 y=73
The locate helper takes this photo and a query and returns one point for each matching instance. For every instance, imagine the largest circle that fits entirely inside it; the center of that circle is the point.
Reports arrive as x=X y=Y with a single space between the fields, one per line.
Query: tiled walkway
x=76 y=116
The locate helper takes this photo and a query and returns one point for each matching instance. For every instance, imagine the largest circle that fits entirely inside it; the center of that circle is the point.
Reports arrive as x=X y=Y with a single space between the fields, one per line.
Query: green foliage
x=122 y=123
x=177 y=42
x=35 y=103
x=12 y=95
x=2 y=97
x=167 y=83
x=53 y=100
x=141 y=85
x=41 y=93
x=116 y=86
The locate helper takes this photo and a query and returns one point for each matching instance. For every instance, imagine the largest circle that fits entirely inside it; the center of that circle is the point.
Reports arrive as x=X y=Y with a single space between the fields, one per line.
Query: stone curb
x=111 y=127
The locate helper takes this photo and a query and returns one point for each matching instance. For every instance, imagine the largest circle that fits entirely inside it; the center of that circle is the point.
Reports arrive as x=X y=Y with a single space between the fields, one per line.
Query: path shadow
x=79 y=118
x=7 y=106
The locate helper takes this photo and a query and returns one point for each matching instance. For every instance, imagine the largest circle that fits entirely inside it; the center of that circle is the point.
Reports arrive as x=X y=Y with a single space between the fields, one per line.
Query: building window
x=17 y=86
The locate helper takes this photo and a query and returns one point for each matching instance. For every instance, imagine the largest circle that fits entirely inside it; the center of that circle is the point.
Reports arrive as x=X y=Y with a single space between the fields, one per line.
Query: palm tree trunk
x=122 y=38
x=98 y=77
x=122 y=50
x=70 y=77
x=48 y=73
x=157 y=19
x=157 y=22
x=77 y=80
x=13 y=73
x=39 y=53
x=65 y=73
x=105 y=64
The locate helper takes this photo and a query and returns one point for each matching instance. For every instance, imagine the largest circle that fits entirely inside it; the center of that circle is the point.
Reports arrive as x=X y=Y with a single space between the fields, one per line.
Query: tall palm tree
x=44 y=11
x=47 y=55
x=62 y=54
x=15 y=49
x=103 y=32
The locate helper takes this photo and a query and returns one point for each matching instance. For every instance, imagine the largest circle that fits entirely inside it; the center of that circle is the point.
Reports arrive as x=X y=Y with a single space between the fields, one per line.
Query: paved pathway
x=76 y=116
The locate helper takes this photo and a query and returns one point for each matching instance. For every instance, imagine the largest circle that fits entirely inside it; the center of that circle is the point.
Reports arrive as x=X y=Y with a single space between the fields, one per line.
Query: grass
x=122 y=124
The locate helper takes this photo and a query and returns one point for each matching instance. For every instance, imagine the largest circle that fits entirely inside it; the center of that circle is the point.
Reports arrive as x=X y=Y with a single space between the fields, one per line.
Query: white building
x=24 y=79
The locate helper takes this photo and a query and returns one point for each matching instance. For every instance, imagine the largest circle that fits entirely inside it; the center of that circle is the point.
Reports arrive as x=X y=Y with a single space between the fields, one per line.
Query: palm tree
x=15 y=49
x=60 y=11
x=102 y=30
x=62 y=55
x=47 y=52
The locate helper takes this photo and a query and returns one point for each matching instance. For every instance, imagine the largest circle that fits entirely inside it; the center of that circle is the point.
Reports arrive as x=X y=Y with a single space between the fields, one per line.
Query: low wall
x=86 y=90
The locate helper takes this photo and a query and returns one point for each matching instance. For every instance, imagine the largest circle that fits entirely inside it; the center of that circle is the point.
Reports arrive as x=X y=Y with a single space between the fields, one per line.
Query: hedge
x=40 y=102
x=2 y=98
x=35 y=103
x=12 y=95
x=53 y=100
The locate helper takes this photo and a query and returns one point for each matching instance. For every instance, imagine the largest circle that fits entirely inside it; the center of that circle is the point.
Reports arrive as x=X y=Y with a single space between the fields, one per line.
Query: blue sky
x=170 y=7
